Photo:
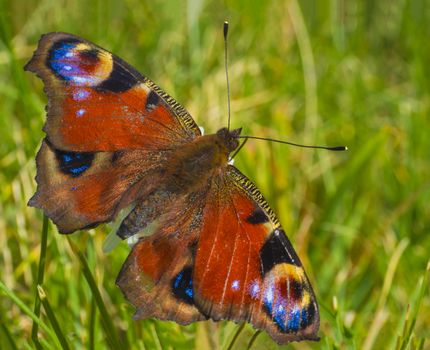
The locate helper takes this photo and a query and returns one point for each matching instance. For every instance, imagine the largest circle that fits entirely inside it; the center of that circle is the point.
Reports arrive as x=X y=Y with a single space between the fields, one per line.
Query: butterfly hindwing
x=157 y=277
x=98 y=102
x=81 y=189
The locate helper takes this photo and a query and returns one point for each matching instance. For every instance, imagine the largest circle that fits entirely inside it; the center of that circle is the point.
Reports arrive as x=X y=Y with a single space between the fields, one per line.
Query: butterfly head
x=229 y=138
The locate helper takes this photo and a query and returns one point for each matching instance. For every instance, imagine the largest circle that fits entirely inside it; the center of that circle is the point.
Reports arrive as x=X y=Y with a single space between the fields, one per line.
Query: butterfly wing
x=157 y=275
x=157 y=279
x=108 y=129
x=82 y=189
x=98 y=102
x=236 y=264
x=245 y=267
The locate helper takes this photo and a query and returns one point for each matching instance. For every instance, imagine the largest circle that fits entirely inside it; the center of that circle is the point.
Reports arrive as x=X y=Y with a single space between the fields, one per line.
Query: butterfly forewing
x=98 y=102
x=245 y=266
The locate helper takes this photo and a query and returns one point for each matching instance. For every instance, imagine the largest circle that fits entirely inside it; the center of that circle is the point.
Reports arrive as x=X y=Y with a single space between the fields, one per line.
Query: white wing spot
x=235 y=285
x=80 y=112
x=80 y=95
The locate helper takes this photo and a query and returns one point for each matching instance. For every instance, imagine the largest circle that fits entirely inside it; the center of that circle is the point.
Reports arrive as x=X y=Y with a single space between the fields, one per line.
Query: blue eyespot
x=182 y=286
x=288 y=315
x=67 y=62
x=294 y=320
x=60 y=60
x=74 y=163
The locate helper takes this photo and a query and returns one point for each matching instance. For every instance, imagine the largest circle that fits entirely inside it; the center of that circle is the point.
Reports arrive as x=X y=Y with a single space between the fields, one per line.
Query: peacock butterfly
x=113 y=140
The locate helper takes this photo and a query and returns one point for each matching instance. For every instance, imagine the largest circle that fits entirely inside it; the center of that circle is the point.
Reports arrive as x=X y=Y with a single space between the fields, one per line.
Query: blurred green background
x=320 y=72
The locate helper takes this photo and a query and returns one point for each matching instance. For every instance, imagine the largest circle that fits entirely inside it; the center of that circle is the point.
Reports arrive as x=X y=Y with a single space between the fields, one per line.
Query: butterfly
x=115 y=140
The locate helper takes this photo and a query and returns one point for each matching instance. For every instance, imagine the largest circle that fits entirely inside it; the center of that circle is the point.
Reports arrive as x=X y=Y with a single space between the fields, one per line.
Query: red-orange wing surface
x=109 y=130
x=245 y=267
x=98 y=102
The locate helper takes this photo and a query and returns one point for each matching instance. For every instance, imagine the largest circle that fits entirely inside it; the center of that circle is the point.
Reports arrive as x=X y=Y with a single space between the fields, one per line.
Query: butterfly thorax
x=192 y=166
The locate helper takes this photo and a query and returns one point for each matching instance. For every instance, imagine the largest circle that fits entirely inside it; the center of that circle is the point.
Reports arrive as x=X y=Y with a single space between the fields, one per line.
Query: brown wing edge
x=180 y=112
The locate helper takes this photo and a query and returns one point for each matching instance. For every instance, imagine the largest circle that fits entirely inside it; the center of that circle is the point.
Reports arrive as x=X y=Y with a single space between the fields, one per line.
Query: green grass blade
x=155 y=336
x=106 y=320
x=361 y=159
x=92 y=325
x=253 y=339
x=7 y=336
x=27 y=310
x=52 y=319
x=404 y=339
x=40 y=277
x=236 y=335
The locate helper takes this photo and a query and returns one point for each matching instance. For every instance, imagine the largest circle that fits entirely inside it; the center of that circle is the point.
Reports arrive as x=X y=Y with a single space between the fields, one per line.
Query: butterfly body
x=192 y=165
x=216 y=250
x=187 y=169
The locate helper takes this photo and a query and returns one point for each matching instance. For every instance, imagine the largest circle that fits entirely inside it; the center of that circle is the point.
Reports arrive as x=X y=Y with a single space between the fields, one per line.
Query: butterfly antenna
x=335 y=148
x=226 y=71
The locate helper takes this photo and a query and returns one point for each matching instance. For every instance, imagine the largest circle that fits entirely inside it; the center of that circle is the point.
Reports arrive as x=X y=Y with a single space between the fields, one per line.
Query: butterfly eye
x=233 y=144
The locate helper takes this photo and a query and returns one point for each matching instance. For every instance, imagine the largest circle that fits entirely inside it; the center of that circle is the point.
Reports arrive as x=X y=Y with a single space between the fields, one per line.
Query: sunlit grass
x=327 y=72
